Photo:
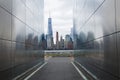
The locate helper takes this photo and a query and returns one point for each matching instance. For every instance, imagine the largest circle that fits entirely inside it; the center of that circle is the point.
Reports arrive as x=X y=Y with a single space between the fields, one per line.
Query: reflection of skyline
x=21 y=26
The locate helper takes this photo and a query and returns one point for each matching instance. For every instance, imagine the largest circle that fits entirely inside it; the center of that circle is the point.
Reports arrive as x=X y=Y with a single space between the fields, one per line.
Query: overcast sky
x=61 y=13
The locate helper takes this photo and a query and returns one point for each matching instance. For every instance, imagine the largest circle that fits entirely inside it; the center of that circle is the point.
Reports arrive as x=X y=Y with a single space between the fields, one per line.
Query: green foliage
x=59 y=54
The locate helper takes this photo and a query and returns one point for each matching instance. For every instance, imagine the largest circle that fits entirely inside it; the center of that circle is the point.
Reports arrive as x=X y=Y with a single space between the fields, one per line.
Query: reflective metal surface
x=18 y=30
x=21 y=28
x=118 y=48
x=118 y=14
x=96 y=24
x=5 y=52
x=6 y=4
x=5 y=24
x=118 y=29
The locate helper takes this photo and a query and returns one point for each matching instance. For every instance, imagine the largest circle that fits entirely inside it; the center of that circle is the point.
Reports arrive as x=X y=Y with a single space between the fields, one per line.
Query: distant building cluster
x=68 y=42
x=62 y=44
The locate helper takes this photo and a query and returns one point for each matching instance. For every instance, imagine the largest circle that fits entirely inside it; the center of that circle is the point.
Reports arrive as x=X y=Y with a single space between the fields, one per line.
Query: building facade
x=21 y=28
x=57 y=40
x=50 y=31
x=68 y=43
x=62 y=43
x=50 y=42
x=97 y=27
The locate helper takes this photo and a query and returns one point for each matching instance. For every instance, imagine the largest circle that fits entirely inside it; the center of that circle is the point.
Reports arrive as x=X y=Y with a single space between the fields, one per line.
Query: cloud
x=62 y=15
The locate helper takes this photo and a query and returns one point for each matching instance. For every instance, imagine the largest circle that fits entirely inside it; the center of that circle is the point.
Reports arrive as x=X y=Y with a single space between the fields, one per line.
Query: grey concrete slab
x=58 y=68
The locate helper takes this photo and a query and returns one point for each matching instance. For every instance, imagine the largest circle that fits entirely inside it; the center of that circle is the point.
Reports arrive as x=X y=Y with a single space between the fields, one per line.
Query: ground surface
x=58 y=68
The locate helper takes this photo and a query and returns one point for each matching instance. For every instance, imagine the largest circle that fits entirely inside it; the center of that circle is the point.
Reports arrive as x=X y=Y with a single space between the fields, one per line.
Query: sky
x=61 y=12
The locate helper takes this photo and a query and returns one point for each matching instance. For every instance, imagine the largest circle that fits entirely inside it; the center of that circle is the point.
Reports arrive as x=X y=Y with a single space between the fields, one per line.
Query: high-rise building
x=57 y=36
x=68 y=44
x=57 y=40
x=61 y=43
x=50 y=31
x=50 y=42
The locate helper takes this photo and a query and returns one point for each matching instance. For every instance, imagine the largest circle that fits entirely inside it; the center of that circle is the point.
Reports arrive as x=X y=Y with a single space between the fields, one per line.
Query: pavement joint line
x=81 y=74
x=26 y=71
x=35 y=71
x=87 y=71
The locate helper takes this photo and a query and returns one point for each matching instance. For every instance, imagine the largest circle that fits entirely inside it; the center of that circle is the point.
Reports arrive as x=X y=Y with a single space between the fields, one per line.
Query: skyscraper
x=68 y=42
x=57 y=40
x=57 y=37
x=61 y=43
x=50 y=42
x=50 y=31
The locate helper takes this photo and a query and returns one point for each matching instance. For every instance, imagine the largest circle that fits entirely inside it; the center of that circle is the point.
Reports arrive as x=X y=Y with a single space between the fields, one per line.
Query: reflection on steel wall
x=97 y=37
x=21 y=28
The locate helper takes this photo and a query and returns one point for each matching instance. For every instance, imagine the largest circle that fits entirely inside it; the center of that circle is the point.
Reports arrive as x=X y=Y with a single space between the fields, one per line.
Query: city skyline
x=59 y=39
x=60 y=23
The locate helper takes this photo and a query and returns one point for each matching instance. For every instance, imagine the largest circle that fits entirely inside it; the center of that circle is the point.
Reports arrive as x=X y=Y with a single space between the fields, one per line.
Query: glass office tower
x=21 y=27
x=97 y=37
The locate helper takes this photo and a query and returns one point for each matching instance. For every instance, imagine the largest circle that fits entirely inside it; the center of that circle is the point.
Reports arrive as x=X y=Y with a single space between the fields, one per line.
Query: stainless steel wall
x=21 y=28
x=97 y=37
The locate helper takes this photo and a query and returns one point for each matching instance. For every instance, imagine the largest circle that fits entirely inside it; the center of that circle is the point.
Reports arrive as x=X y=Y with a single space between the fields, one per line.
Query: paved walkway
x=58 y=68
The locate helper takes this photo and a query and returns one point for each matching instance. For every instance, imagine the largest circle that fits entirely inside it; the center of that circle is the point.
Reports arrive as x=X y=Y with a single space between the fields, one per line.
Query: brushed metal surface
x=18 y=49
x=19 y=10
x=7 y=4
x=118 y=49
x=5 y=55
x=5 y=25
x=96 y=37
x=107 y=14
x=110 y=55
x=18 y=30
x=118 y=14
